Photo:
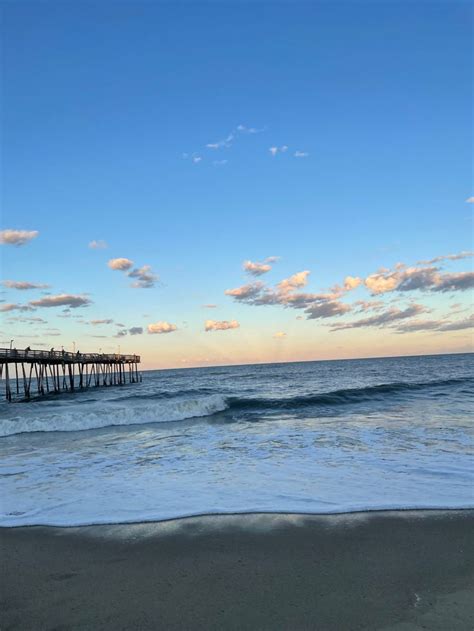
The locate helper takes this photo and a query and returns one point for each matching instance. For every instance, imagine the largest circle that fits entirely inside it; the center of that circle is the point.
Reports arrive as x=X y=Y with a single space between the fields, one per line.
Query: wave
x=167 y=407
x=344 y=396
x=112 y=413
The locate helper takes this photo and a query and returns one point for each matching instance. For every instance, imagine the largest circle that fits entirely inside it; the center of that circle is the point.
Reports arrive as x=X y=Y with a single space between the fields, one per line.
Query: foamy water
x=312 y=437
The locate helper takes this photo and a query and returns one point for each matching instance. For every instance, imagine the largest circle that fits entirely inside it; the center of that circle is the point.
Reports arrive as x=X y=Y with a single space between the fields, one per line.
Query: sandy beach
x=389 y=570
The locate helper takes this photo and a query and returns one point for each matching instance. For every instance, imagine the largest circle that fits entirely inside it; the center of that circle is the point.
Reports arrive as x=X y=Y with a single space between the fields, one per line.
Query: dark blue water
x=304 y=437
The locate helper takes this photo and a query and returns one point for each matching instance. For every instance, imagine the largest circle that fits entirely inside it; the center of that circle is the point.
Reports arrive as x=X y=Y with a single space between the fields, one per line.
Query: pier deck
x=57 y=371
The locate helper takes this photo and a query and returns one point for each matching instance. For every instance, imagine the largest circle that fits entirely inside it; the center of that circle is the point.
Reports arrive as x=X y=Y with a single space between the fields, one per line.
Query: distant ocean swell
x=170 y=407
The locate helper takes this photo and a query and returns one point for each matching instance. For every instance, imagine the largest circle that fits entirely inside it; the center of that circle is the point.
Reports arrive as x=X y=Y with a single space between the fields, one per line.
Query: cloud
x=136 y=330
x=369 y=305
x=448 y=257
x=455 y=282
x=23 y=285
x=217 y=163
x=96 y=322
x=221 y=143
x=15 y=307
x=352 y=282
x=17 y=237
x=250 y=130
x=470 y=200
x=120 y=264
x=279 y=335
x=121 y=333
x=70 y=300
x=384 y=319
x=25 y=320
x=245 y=292
x=256 y=269
x=327 y=309
x=144 y=275
x=301 y=154
x=300 y=279
x=222 y=325
x=209 y=306
x=196 y=159
x=436 y=325
x=275 y=150
x=161 y=327
x=430 y=278
x=98 y=245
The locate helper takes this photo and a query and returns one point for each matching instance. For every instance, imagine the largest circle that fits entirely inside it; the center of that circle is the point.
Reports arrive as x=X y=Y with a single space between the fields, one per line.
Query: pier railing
x=63 y=356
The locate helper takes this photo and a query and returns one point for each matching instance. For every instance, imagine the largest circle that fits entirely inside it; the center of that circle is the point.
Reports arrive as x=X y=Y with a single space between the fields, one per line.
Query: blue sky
x=108 y=108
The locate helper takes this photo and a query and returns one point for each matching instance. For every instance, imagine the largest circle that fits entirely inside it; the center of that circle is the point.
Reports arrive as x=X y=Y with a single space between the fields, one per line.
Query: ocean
x=312 y=437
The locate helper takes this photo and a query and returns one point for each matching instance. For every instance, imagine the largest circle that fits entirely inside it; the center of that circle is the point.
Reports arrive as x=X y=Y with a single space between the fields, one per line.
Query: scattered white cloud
x=23 y=285
x=197 y=159
x=98 y=245
x=279 y=335
x=470 y=200
x=70 y=300
x=161 y=327
x=250 y=130
x=209 y=306
x=17 y=237
x=218 y=163
x=301 y=154
x=222 y=325
x=120 y=264
x=275 y=150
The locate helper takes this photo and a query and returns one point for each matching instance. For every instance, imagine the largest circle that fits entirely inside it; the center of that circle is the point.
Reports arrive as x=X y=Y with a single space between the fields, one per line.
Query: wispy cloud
x=218 y=163
x=385 y=318
x=275 y=150
x=12 y=306
x=17 y=237
x=70 y=300
x=250 y=130
x=470 y=200
x=144 y=275
x=23 y=285
x=220 y=325
x=120 y=264
x=98 y=245
x=301 y=154
x=97 y=322
x=436 y=325
x=255 y=268
x=448 y=257
x=161 y=327
x=279 y=335
x=327 y=309
x=209 y=306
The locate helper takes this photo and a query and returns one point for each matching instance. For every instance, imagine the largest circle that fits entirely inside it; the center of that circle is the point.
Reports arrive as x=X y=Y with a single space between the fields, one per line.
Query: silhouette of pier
x=30 y=372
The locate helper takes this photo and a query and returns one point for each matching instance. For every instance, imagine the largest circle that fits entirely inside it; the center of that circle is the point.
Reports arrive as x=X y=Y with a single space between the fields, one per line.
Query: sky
x=237 y=182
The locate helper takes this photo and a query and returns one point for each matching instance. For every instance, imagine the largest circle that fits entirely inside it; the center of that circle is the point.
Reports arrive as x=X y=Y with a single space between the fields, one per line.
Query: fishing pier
x=28 y=373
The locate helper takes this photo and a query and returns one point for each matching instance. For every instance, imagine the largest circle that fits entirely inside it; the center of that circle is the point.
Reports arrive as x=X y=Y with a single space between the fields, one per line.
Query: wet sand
x=400 y=571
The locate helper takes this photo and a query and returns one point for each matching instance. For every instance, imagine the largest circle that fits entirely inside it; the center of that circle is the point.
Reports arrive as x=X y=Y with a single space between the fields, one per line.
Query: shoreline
x=399 y=570
x=365 y=512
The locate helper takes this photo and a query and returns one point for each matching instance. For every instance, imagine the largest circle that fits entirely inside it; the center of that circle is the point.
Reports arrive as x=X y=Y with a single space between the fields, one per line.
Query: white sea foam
x=71 y=418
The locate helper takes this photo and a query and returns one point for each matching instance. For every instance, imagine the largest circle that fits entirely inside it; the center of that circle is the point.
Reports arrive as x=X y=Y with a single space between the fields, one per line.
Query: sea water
x=313 y=437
